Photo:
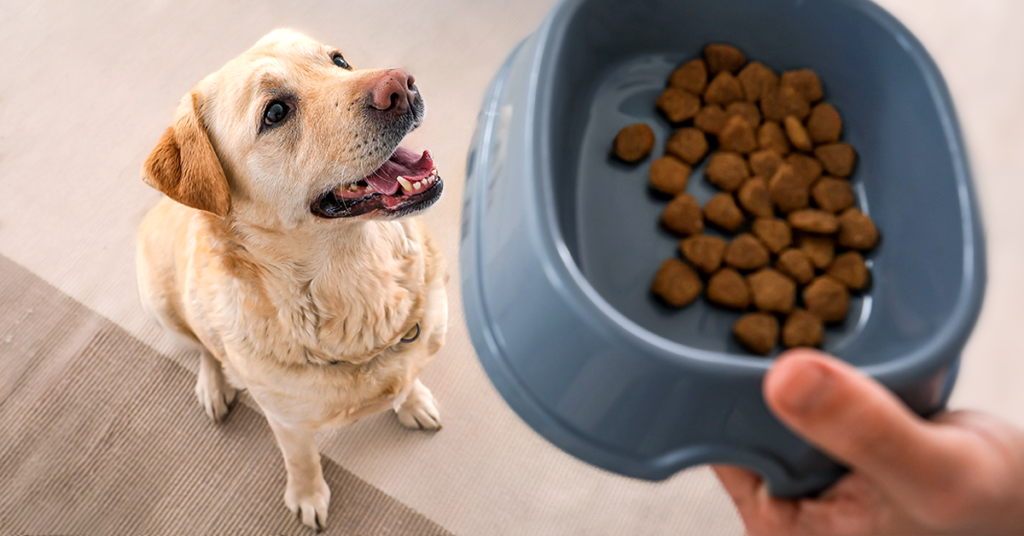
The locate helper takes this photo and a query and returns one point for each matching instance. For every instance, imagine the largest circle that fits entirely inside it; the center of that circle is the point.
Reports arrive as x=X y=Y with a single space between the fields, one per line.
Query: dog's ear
x=184 y=166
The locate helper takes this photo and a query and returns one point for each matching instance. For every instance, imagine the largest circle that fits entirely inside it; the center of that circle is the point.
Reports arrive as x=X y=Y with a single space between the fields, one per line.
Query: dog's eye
x=276 y=112
x=340 y=61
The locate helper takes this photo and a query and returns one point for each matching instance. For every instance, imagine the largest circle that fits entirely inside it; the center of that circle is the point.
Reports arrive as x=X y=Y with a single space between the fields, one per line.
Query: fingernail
x=800 y=387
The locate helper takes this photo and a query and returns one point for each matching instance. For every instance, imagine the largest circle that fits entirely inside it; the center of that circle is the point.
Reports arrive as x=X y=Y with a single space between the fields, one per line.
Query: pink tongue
x=404 y=163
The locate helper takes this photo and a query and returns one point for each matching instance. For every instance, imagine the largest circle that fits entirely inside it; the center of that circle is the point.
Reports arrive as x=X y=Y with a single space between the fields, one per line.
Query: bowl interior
x=613 y=61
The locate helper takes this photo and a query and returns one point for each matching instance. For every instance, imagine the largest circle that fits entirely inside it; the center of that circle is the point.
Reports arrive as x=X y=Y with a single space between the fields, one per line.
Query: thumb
x=863 y=425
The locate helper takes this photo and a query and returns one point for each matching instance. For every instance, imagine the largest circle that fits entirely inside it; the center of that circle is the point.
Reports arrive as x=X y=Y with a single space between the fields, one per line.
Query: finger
x=863 y=425
x=741 y=485
x=760 y=512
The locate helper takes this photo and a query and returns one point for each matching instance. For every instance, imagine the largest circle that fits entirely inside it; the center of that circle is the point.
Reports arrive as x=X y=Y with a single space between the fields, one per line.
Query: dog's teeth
x=416 y=186
x=406 y=185
x=369 y=188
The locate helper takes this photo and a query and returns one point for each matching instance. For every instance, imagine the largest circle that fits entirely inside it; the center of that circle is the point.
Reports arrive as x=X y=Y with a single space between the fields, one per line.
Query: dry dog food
x=785 y=198
x=754 y=198
x=765 y=163
x=757 y=79
x=772 y=291
x=678 y=105
x=687 y=144
x=832 y=194
x=729 y=289
x=827 y=299
x=711 y=119
x=737 y=135
x=676 y=283
x=813 y=221
x=758 y=332
x=856 y=230
x=825 y=124
x=770 y=136
x=634 y=143
x=746 y=252
x=849 y=269
x=787 y=191
x=683 y=215
x=723 y=58
x=802 y=328
x=775 y=234
x=796 y=264
x=837 y=158
x=727 y=170
x=703 y=251
x=722 y=211
x=692 y=76
x=669 y=175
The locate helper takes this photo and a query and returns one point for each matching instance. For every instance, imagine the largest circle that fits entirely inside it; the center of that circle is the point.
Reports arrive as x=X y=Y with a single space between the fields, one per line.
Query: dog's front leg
x=307 y=494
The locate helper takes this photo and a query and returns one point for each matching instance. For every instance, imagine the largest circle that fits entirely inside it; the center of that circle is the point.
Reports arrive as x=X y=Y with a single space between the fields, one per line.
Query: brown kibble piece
x=737 y=135
x=850 y=270
x=838 y=158
x=634 y=143
x=754 y=197
x=678 y=105
x=819 y=249
x=802 y=329
x=779 y=102
x=747 y=110
x=703 y=251
x=757 y=79
x=857 y=230
x=727 y=170
x=746 y=253
x=723 y=58
x=692 y=76
x=787 y=191
x=723 y=89
x=772 y=291
x=827 y=299
x=805 y=82
x=669 y=175
x=765 y=163
x=814 y=221
x=775 y=233
x=771 y=137
x=683 y=216
x=806 y=168
x=722 y=211
x=832 y=194
x=825 y=125
x=676 y=283
x=729 y=289
x=757 y=332
x=796 y=264
x=711 y=119
x=688 y=144
x=797 y=134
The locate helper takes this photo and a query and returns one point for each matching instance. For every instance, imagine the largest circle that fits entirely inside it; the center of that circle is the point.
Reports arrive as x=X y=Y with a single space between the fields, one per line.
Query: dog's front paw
x=309 y=502
x=419 y=410
x=214 y=393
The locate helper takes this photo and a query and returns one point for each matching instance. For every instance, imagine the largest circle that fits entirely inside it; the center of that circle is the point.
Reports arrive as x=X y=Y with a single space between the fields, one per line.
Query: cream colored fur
x=306 y=313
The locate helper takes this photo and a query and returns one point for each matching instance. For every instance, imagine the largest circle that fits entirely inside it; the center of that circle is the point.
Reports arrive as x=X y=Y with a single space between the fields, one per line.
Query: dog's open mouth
x=404 y=183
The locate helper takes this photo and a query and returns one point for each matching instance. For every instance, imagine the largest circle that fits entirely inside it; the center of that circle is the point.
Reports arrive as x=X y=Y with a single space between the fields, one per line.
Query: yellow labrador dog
x=284 y=252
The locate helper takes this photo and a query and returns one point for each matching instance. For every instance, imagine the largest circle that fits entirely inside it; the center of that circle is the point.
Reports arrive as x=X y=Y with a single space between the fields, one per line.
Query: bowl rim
x=952 y=334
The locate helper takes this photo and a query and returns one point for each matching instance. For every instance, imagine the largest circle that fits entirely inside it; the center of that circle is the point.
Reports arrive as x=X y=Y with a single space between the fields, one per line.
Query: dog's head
x=289 y=133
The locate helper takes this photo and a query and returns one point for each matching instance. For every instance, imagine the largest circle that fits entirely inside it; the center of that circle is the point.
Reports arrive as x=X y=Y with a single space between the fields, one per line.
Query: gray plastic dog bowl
x=560 y=242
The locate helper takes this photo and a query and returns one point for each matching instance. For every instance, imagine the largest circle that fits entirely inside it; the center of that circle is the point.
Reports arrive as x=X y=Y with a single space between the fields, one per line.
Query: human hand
x=960 y=473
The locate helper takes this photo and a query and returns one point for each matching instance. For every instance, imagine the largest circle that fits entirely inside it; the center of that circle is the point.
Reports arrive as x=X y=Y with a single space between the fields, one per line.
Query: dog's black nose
x=394 y=92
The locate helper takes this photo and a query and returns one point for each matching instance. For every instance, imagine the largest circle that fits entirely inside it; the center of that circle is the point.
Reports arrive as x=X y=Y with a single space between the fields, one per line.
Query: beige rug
x=99 y=432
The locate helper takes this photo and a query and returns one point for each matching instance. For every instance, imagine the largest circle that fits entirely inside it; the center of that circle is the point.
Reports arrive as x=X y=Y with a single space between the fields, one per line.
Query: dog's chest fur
x=308 y=320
